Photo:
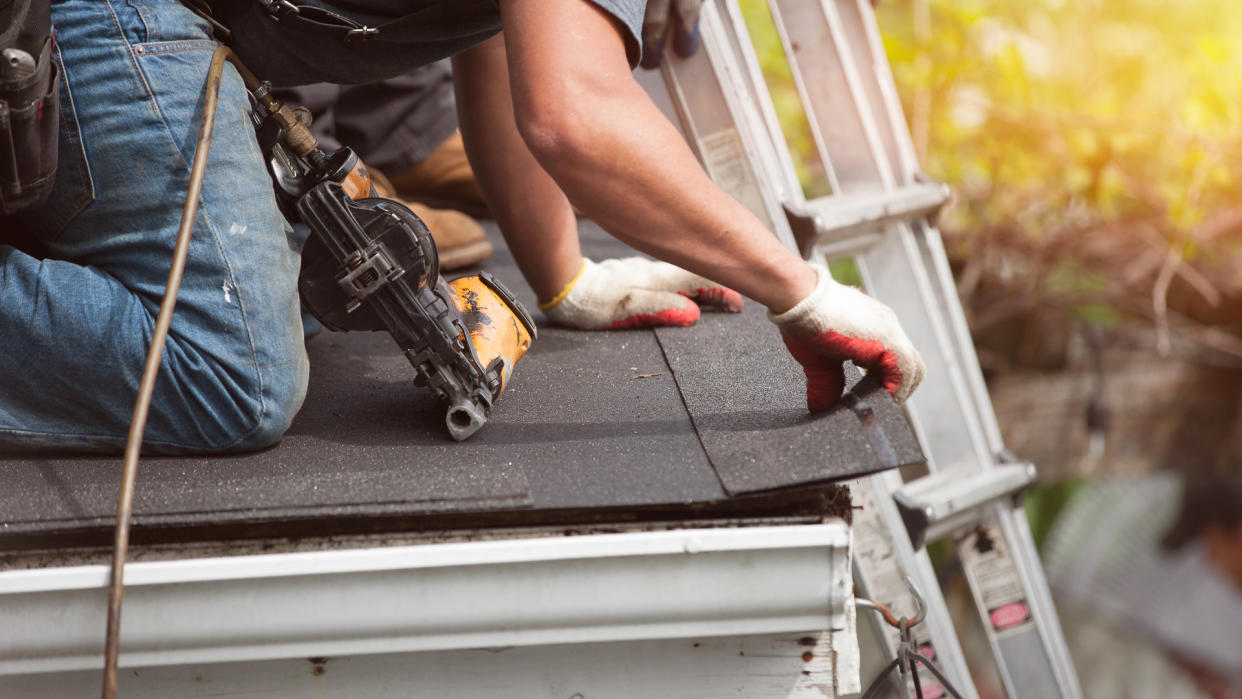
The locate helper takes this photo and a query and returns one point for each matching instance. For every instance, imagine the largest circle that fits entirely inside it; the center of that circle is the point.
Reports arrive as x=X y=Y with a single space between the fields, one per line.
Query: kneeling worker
x=550 y=114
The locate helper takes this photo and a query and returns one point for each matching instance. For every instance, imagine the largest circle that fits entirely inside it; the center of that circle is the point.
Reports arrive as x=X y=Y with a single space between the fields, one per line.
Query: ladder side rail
x=888 y=272
x=847 y=20
x=847 y=135
x=851 y=121
x=709 y=92
x=869 y=55
x=936 y=260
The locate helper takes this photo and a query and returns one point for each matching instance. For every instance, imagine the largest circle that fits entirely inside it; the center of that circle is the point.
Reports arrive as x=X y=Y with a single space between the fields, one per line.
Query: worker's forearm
x=536 y=219
x=650 y=191
x=616 y=156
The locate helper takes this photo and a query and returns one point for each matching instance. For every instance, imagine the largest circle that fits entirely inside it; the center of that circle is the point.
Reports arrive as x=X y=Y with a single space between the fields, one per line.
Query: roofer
x=549 y=113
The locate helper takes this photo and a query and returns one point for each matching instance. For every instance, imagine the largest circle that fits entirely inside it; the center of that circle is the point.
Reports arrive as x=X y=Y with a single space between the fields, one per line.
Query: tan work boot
x=444 y=179
x=459 y=239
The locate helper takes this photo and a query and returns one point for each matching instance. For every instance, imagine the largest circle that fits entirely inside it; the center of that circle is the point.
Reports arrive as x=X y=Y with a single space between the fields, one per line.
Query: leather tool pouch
x=29 y=104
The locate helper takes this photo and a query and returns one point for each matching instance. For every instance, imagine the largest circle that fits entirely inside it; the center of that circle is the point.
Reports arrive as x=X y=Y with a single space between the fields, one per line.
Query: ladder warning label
x=995 y=582
x=724 y=158
x=1009 y=615
x=932 y=689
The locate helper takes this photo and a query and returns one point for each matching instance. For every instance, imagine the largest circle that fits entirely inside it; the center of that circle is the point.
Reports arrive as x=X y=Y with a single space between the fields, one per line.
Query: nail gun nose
x=464 y=419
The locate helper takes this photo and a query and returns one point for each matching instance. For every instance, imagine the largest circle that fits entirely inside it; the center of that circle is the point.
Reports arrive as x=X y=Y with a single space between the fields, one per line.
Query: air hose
x=133 y=444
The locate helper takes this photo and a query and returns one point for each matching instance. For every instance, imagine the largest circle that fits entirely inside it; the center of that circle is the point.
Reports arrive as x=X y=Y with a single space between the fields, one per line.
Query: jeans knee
x=284 y=392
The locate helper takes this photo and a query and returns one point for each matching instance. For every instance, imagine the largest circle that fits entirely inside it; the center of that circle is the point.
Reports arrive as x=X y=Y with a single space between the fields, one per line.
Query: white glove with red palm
x=635 y=292
x=836 y=323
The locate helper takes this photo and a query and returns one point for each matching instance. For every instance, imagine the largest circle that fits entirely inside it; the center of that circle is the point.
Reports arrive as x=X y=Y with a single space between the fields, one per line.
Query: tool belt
x=29 y=105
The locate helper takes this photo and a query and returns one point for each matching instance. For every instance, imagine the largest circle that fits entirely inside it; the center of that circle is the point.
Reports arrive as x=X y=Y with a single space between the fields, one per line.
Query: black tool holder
x=29 y=105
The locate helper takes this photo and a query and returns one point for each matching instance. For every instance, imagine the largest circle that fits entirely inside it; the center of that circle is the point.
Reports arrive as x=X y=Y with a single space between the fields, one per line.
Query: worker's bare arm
x=574 y=120
x=536 y=219
x=541 y=229
x=595 y=131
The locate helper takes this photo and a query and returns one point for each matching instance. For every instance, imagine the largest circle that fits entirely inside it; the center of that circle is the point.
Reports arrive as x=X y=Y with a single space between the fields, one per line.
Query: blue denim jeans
x=75 y=322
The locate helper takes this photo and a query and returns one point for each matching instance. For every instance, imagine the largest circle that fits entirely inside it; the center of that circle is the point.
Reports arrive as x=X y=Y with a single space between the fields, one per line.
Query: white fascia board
x=605 y=587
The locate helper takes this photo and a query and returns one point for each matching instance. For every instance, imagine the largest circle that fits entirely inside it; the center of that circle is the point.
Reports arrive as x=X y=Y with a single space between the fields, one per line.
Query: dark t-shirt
x=289 y=56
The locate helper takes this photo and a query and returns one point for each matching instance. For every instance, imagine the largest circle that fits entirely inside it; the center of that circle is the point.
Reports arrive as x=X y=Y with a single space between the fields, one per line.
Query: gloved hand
x=837 y=322
x=635 y=293
x=684 y=16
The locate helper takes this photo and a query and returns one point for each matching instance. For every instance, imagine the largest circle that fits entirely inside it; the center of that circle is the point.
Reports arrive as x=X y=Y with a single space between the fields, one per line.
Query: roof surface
x=699 y=422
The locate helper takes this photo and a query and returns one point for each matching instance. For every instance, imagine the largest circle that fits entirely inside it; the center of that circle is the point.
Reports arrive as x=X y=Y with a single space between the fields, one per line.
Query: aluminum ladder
x=879 y=213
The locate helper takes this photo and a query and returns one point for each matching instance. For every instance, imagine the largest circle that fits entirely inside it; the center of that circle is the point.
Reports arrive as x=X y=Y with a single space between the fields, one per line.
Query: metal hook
x=908 y=657
x=887 y=613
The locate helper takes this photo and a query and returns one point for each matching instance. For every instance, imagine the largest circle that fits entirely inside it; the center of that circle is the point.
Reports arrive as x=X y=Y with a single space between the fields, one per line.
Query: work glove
x=635 y=292
x=836 y=323
x=683 y=15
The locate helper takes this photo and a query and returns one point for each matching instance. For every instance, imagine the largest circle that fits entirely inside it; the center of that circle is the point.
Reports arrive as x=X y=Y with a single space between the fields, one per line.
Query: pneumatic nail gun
x=371 y=264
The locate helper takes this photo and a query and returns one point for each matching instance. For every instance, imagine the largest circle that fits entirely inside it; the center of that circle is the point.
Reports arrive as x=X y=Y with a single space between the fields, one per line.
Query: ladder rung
x=936 y=505
x=847 y=223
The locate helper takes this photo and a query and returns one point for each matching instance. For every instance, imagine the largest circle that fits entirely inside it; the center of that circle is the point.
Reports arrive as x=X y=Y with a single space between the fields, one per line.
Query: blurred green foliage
x=1045 y=501
x=1047 y=114
x=1078 y=136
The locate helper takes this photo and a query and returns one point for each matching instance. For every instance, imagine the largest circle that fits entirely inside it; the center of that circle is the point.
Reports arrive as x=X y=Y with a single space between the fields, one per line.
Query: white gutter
x=605 y=587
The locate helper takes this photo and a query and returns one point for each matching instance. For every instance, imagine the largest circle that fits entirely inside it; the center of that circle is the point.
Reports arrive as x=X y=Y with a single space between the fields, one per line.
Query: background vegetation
x=1095 y=148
